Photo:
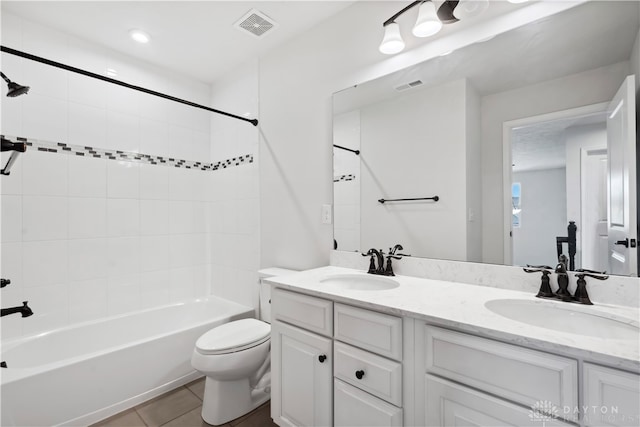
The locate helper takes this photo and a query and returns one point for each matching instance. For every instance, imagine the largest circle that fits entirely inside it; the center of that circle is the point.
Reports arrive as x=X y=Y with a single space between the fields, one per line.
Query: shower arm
x=5 y=78
x=119 y=83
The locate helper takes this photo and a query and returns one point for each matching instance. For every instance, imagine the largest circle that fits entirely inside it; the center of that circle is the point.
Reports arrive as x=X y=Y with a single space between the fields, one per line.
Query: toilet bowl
x=235 y=359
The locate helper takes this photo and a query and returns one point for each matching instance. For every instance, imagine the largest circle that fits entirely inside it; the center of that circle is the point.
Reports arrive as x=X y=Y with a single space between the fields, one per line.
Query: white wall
x=234 y=213
x=543 y=216
x=346 y=181
x=412 y=146
x=586 y=88
x=473 y=172
x=297 y=81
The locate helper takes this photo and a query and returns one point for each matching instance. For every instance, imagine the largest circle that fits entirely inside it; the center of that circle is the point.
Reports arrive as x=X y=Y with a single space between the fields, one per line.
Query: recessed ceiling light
x=139 y=36
x=111 y=72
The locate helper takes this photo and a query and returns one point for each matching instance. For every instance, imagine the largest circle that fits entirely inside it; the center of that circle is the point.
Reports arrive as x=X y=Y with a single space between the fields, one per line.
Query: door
x=594 y=242
x=301 y=375
x=621 y=147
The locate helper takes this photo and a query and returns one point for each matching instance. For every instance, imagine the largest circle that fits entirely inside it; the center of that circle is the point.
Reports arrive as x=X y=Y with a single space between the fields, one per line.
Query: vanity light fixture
x=139 y=36
x=429 y=20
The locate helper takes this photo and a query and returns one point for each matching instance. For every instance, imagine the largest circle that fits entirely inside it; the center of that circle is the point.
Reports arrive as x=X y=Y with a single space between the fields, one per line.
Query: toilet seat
x=233 y=337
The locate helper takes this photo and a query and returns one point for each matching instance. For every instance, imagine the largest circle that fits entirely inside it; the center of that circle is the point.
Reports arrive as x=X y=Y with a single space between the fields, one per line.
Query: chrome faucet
x=23 y=309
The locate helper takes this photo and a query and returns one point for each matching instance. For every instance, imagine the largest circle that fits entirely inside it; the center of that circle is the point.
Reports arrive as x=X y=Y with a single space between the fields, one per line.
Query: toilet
x=235 y=358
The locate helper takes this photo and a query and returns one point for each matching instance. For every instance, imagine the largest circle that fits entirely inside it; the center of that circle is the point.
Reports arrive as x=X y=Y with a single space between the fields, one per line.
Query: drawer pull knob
x=359 y=374
x=322 y=358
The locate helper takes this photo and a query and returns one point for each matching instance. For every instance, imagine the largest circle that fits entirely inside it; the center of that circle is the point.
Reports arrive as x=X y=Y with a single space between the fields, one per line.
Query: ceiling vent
x=410 y=85
x=255 y=23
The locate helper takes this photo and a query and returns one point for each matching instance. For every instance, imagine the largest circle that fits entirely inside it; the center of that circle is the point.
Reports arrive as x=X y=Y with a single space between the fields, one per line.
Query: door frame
x=507 y=127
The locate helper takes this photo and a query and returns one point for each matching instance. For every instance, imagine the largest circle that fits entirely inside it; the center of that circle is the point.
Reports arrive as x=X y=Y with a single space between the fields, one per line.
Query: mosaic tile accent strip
x=86 y=151
x=339 y=178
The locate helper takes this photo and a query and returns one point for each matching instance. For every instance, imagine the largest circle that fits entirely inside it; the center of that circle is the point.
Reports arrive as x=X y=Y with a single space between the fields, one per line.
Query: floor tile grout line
x=178 y=416
x=194 y=393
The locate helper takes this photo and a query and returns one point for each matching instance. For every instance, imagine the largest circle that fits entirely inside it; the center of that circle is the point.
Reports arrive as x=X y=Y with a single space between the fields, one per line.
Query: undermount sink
x=561 y=317
x=360 y=282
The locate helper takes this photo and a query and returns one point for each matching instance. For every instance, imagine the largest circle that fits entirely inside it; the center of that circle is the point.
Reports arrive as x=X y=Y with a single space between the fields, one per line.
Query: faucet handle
x=600 y=275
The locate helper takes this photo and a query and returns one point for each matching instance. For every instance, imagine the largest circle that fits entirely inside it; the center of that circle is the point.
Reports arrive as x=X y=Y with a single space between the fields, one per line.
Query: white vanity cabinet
x=334 y=364
x=367 y=368
x=301 y=360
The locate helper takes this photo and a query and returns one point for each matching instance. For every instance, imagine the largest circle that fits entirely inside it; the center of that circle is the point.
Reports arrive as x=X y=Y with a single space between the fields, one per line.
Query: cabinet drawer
x=450 y=404
x=611 y=397
x=354 y=407
x=311 y=313
x=521 y=375
x=380 y=376
x=380 y=333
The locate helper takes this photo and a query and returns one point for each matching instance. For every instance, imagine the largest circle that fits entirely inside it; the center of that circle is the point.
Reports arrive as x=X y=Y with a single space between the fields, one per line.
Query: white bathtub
x=81 y=374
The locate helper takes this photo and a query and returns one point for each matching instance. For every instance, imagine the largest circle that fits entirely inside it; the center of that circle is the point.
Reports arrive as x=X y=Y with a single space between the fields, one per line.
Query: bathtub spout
x=23 y=309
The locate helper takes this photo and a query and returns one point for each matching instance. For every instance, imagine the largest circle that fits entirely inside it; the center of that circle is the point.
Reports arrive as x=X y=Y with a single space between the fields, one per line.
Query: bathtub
x=80 y=374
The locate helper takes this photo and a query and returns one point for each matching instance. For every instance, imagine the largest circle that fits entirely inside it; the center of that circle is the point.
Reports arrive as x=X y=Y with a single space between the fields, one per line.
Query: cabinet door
x=611 y=397
x=451 y=404
x=301 y=375
x=354 y=407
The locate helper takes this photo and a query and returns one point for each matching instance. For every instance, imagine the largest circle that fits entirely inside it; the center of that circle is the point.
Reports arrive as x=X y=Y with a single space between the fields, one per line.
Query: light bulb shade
x=470 y=8
x=392 y=41
x=427 y=23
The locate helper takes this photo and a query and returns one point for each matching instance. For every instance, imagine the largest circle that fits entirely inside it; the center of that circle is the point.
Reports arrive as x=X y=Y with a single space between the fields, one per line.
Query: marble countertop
x=462 y=306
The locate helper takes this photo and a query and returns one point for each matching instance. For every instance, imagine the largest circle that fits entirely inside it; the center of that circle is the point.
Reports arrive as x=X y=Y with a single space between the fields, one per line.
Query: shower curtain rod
x=120 y=83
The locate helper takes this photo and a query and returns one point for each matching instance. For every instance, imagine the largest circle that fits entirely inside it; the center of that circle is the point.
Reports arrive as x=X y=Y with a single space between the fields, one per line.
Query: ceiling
x=585 y=37
x=194 y=38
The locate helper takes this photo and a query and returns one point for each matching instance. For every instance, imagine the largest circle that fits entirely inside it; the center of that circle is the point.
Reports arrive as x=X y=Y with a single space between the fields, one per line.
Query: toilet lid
x=233 y=336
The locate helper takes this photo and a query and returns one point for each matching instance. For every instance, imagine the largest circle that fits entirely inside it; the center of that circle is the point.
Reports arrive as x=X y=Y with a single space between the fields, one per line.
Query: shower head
x=15 y=89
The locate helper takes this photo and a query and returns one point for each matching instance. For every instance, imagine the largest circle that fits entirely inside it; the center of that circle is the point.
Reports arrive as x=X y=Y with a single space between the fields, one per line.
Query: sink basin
x=561 y=317
x=360 y=282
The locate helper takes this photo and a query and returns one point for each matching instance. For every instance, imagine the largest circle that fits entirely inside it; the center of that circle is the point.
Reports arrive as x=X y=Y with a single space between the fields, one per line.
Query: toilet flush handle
x=322 y=358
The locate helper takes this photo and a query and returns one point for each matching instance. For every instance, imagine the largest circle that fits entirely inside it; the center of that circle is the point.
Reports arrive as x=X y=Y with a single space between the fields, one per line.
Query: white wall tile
x=87 y=125
x=202 y=280
x=11 y=230
x=87 y=217
x=180 y=142
x=87 y=177
x=11 y=263
x=229 y=216
x=181 y=184
x=44 y=80
x=87 y=300
x=120 y=99
x=154 y=288
x=123 y=131
x=44 y=118
x=154 y=182
x=50 y=308
x=154 y=217
x=44 y=263
x=181 y=284
x=154 y=253
x=45 y=41
x=12 y=183
x=44 y=173
x=87 y=91
x=154 y=137
x=123 y=294
x=182 y=250
x=87 y=259
x=123 y=217
x=44 y=218
x=11 y=113
x=123 y=180
x=123 y=256
x=181 y=216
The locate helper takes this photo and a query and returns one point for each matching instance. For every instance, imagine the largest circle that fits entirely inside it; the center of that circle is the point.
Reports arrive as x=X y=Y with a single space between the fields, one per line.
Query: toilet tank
x=265 y=289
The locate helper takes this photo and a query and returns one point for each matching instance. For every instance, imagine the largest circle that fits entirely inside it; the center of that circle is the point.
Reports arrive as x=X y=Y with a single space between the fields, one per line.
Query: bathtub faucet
x=23 y=309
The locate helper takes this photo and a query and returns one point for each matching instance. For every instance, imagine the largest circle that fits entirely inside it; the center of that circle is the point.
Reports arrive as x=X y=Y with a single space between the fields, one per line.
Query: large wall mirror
x=517 y=147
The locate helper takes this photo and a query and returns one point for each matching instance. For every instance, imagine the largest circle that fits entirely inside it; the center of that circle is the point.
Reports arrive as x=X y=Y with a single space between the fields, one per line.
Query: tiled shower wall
x=85 y=237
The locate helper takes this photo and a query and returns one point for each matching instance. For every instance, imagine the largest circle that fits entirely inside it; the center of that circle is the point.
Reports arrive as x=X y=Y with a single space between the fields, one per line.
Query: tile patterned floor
x=181 y=408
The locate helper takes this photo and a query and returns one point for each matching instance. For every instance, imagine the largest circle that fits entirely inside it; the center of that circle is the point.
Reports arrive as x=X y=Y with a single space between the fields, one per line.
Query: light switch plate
x=327 y=214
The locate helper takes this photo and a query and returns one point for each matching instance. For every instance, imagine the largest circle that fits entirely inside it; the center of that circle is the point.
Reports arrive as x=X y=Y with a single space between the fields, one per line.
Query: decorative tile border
x=339 y=178
x=85 y=151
